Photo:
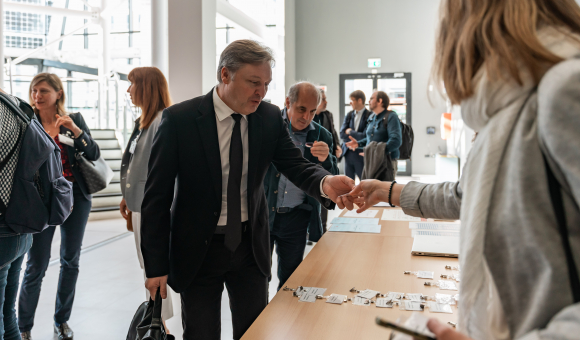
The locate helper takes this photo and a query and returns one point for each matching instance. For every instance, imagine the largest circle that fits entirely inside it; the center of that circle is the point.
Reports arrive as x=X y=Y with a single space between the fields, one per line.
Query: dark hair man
x=213 y=230
x=354 y=125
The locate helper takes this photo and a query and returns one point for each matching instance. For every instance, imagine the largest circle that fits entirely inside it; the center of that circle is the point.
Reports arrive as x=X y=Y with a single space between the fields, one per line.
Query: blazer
x=328 y=124
x=377 y=131
x=177 y=226
x=357 y=132
x=84 y=143
x=137 y=163
x=273 y=179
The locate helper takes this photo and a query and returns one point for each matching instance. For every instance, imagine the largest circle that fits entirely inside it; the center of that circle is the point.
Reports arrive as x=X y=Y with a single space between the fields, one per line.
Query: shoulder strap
x=6 y=160
x=8 y=101
x=558 y=205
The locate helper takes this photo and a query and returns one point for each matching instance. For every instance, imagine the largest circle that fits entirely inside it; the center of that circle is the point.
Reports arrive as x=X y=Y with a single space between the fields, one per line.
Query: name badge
x=66 y=140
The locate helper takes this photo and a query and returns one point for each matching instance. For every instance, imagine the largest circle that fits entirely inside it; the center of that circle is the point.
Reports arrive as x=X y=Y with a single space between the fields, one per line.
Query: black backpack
x=407 y=137
x=40 y=195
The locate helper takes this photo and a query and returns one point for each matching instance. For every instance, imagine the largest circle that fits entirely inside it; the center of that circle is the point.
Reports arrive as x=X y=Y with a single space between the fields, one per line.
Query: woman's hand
x=353 y=144
x=444 y=332
x=68 y=123
x=124 y=209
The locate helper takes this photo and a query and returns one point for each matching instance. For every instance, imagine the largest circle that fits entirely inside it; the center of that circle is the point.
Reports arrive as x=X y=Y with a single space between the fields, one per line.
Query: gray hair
x=242 y=52
x=309 y=87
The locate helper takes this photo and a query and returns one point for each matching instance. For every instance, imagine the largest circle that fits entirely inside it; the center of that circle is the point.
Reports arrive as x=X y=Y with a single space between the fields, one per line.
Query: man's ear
x=226 y=75
x=287 y=103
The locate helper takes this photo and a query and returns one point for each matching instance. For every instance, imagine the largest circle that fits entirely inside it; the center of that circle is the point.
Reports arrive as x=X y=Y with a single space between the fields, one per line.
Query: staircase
x=109 y=198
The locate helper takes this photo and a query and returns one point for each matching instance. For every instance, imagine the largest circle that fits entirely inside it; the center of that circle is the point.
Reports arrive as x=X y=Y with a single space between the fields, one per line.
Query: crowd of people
x=264 y=178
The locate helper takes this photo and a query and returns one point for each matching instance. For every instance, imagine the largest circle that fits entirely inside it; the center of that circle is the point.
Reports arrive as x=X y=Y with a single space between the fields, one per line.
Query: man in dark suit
x=355 y=125
x=213 y=230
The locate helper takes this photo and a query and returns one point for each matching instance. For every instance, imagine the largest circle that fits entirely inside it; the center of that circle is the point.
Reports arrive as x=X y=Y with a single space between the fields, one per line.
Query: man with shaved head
x=293 y=213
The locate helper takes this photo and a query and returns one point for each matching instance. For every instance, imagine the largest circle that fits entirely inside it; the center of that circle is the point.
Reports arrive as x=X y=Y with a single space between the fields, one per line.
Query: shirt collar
x=361 y=111
x=222 y=110
x=310 y=126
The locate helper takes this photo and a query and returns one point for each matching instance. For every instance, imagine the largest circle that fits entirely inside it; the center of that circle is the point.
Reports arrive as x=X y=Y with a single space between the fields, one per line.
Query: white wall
x=338 y=36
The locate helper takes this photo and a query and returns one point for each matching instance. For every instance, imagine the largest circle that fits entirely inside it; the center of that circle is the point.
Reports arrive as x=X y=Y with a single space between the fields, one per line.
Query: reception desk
x=339 y=262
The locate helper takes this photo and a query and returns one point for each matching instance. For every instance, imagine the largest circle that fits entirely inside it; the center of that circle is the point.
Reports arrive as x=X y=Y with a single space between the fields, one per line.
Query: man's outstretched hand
x=335 y=186
x=365 y=195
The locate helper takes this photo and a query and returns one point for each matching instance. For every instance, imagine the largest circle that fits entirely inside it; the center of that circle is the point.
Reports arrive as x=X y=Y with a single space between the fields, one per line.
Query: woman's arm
x=85 y=143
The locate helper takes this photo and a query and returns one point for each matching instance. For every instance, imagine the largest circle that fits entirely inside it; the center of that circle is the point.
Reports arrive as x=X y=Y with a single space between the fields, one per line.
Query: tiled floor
x=110 y=287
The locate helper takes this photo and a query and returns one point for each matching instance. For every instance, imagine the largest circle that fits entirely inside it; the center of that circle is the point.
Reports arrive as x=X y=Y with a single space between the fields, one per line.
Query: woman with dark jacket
x=73 y=136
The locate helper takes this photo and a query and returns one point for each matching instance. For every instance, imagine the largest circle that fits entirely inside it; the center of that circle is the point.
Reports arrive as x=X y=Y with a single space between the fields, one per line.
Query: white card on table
x=395 y=296
x=447 y=285
x=359 y=301
x=412 y=305
x=66 y=140
x=366 y=213
x=398 y=215
x=368 y=294
x=336 y=299
x=356 y=228
x=423 y=274
x=384 y=303
x=310 y=293
x=415 y=297
x=435 y=307
x=352 y=220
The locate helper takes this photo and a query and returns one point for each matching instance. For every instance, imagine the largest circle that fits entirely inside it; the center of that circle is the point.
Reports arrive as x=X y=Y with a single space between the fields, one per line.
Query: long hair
x=152 y=92
x=53 y=81
x=500 y=35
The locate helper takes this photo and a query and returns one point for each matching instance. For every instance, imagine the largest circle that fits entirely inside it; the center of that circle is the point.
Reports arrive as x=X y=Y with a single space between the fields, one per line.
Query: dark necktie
x=234 y=223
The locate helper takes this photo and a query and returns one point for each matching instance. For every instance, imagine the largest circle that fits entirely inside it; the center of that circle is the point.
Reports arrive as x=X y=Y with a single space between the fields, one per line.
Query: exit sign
x=374 y=62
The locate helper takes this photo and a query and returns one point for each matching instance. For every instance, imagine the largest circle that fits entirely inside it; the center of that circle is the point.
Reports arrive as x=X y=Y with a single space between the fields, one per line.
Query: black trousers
x=289 y=236
x=247 y=289
x=353 y=163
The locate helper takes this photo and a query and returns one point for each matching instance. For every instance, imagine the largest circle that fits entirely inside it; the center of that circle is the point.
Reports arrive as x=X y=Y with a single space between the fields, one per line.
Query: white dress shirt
x=357 y=117
x=225 y=126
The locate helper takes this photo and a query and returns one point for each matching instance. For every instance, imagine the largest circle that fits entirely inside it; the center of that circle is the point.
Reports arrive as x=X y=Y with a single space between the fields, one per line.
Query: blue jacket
x=273 y=178
x=378 y=132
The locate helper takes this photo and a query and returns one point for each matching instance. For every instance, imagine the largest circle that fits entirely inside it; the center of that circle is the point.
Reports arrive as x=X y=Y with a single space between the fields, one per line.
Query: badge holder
x=442 y=284
x=421 y=274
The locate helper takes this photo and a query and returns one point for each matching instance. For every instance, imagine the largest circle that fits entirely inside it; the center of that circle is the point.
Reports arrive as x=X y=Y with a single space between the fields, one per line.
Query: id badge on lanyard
x=134 y=143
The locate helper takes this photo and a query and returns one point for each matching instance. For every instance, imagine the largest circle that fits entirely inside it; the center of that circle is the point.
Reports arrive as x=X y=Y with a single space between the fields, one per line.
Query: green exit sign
x=374 y=62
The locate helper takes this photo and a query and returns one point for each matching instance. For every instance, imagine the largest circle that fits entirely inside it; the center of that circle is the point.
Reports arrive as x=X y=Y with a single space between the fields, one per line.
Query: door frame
x=375 y=77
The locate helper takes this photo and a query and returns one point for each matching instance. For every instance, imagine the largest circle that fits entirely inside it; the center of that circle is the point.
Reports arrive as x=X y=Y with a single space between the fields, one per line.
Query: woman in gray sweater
x=513 y=67
x=150 y=92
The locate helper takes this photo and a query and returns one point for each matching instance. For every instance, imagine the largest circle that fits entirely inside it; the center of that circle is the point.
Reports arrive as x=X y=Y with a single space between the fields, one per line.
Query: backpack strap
x=5 y=161
x=558 y=205
x=7 y=100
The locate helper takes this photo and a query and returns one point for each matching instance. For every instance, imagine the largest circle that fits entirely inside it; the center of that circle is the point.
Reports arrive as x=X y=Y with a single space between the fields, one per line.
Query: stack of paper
x=435 y=228
x=355 y=225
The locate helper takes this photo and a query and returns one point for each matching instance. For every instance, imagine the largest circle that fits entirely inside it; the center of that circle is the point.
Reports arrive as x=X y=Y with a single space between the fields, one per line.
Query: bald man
x=292 y=212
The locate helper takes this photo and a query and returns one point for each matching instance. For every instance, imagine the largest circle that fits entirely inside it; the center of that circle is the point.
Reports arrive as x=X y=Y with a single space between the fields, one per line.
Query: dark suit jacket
x=85 y=143
x=328 y=124
x=357 y=133
x=177 y=226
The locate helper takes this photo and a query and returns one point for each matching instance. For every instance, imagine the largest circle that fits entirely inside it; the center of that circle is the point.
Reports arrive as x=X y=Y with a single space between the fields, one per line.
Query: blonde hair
x=152 y=92
x=53 y=81
x=499 y=35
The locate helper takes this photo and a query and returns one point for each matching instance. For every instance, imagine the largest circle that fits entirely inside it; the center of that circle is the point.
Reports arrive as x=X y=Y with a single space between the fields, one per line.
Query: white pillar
x=104 y=62
x=159 y=35
x=290 y=42
x=191 y=48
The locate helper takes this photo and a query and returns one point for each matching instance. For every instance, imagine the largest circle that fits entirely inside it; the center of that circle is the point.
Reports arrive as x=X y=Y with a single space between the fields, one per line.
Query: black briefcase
x=147 y=324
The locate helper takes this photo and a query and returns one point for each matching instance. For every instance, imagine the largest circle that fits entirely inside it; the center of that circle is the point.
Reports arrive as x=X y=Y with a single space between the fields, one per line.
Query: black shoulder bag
x=558 y=205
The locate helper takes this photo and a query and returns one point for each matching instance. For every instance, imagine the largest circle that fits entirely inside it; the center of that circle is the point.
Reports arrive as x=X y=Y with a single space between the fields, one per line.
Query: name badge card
x=66 y=140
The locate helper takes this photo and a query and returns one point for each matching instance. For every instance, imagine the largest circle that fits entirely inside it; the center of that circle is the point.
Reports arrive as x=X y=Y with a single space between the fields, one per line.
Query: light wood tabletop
x=339 y=262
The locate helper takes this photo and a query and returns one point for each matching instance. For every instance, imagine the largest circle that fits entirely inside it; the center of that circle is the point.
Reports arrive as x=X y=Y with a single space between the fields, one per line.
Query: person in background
x=378 y=131
x=324 y=118
x=149 y=91
x=13 y=246
x=354 y=125
x=72 y=135
x=519 y=195
x=295 y=212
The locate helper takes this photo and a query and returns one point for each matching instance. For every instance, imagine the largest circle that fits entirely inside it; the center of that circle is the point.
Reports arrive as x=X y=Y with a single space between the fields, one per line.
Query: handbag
x=147 y=324
x=97 y=174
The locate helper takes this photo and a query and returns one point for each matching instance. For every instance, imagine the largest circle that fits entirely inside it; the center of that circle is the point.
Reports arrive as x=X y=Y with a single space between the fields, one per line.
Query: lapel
x=207 y=129
x=255 y=143
x=363 y=120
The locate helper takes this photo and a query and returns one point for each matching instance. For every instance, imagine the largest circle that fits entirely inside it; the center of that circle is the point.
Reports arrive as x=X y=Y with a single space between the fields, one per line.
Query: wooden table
x=338 y=262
